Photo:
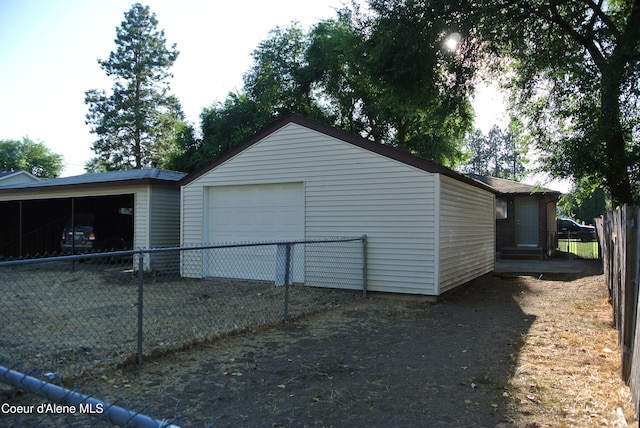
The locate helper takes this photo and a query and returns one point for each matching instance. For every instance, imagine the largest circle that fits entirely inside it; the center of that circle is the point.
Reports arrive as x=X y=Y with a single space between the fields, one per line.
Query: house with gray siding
x=8 y=178
x=429 y=229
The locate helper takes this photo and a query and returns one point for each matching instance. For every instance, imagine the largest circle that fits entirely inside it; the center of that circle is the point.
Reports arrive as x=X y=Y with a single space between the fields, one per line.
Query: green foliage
x=187 y=156
x=278 y=82
x=389 y=77
x=425 y=85
x=95 y=165
x=33 y=157
x=223 y=125
x=574 y=77
x=500 y=153
x=584 y=203
x=383 y=76
x=135 y=124
x=336 y=62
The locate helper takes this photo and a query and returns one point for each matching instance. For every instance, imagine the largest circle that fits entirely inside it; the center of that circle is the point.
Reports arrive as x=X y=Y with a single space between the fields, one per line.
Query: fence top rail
x=84 y=256
x=262 y=244
x=126 y=253
x=58 y=394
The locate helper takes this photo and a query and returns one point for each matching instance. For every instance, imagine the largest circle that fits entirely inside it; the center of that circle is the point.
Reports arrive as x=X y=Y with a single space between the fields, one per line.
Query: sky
x=49 y=52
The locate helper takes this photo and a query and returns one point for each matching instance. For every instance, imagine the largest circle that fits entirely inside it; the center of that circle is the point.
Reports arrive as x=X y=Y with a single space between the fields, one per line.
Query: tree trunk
x=616 y=162
x=138 y=126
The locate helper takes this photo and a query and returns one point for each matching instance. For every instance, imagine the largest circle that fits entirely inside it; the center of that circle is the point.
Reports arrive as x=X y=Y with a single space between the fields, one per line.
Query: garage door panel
x=256 y=213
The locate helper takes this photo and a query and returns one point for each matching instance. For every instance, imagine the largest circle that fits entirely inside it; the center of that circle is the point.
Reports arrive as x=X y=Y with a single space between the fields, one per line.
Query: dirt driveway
x=504 y=350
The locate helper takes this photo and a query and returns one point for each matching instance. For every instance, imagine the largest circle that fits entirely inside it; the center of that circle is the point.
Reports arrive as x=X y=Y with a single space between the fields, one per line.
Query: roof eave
x=88 y=185
x=348 y=137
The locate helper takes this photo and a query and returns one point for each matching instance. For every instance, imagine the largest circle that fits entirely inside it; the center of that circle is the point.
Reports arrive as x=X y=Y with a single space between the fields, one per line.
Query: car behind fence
x=74 y=313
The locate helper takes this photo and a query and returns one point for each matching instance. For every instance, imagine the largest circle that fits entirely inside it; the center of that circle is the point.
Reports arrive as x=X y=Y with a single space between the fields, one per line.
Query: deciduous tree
x=31 y=156
x=339 y=73
x=574 y=76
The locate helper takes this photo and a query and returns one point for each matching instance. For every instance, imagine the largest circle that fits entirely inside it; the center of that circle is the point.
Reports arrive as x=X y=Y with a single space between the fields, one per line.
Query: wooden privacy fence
x=619 y=233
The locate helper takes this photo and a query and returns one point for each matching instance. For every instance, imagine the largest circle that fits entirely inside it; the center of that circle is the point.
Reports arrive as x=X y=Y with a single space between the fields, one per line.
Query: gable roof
x=510 y=187
x=100 y=179
x=345 y=136
x=6 y=175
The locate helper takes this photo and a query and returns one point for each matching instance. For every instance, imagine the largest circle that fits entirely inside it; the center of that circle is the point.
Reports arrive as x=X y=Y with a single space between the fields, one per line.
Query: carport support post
x=140 y=294
x=286 y=280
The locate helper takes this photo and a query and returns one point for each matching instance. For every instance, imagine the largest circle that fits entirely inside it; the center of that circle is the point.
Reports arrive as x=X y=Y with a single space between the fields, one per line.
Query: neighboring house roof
x=510 y=187
x=128 y=177
x=348 y=137
x=16 y=177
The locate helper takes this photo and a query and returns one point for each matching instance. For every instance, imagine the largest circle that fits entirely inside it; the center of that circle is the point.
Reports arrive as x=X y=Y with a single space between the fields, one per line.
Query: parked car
x=93 y=232
x=569 y=229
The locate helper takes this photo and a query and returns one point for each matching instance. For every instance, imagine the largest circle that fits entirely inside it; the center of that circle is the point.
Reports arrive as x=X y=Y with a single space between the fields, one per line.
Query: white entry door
x=527 y=221
x=249 y=214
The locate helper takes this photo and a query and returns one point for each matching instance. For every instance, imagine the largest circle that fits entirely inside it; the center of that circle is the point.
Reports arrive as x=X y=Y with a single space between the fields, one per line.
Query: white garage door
x=249 y=214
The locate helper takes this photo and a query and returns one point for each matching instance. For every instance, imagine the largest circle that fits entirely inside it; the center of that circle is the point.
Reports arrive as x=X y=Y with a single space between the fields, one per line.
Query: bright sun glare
x=452 y=41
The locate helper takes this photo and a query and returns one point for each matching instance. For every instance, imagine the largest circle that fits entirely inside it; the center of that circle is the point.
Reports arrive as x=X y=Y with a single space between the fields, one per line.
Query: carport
x=34 y=214
x=33 y=227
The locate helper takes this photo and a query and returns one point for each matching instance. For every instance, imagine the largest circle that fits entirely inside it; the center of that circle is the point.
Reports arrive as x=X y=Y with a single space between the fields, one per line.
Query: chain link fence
x=93 y=312
x=35 y=399
x=575 y=245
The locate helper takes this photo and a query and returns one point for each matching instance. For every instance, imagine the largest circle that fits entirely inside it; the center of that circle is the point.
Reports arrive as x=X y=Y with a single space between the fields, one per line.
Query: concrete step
x=522 y=253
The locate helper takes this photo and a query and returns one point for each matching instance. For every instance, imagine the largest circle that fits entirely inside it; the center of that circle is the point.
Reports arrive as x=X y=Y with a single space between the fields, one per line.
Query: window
x=501 y=209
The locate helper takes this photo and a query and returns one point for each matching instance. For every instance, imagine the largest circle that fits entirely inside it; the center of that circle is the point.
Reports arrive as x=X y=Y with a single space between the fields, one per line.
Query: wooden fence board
x=619 y=233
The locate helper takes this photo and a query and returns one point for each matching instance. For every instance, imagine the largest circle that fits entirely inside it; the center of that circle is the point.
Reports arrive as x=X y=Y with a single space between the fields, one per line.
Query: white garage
x=429 y=229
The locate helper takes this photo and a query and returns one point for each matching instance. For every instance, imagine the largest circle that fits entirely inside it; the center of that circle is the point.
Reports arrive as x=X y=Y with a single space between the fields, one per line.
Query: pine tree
x=135 y=125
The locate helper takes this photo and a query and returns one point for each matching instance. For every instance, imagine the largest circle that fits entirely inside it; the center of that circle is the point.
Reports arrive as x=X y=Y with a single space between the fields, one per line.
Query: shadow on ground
x=374 y=362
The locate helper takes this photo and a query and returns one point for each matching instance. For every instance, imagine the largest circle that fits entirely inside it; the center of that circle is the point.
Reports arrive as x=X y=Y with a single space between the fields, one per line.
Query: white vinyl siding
x=157 y=224
x=164 y=227
x=338 y=264
x=348 y=191
x=467 y=233
x=17 y=178
x=164 y=218
x=141 y=219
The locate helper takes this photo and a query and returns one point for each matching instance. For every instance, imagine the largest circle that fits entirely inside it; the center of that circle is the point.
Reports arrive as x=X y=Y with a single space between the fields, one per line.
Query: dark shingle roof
x=504 y=186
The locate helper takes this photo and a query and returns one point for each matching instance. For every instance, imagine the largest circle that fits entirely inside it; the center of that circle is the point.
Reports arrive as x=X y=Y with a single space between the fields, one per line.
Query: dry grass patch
x=568 y=369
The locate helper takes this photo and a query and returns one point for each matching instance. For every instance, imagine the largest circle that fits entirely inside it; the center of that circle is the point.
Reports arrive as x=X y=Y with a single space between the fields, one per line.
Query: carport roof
x=128 y=177
x=348 y=137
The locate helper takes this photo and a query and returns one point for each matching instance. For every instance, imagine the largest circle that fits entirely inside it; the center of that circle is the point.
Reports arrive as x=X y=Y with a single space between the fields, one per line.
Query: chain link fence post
x=364 y=265
x=287 y=274
x=140 y=303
